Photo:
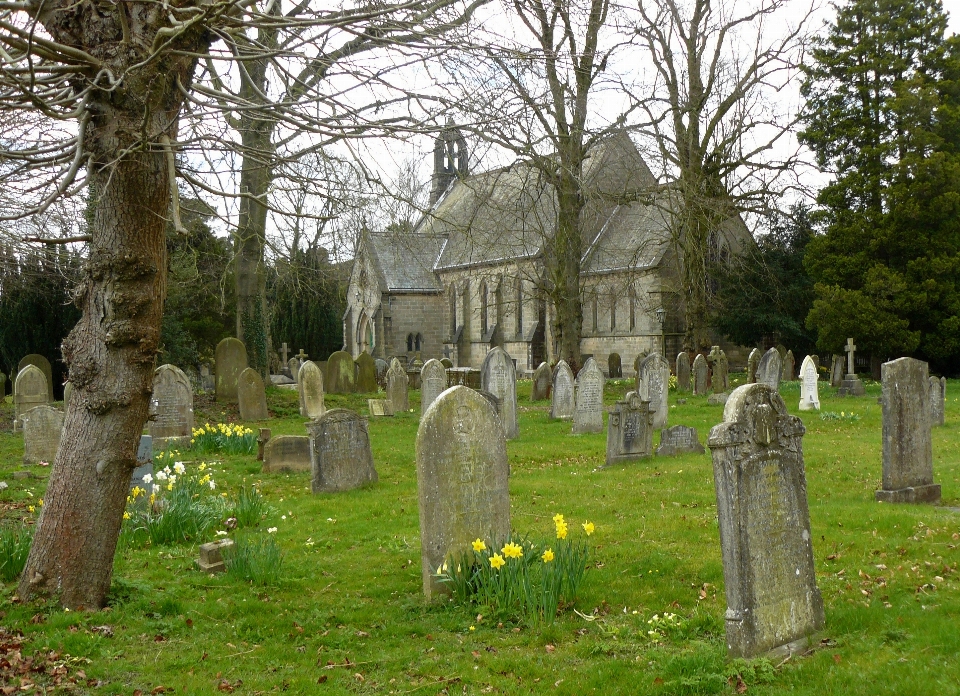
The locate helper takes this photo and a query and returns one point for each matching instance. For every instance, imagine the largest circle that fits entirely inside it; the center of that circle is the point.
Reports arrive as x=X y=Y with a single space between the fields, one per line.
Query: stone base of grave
x=624 y=459
x=718 y=399
x=851 y=386
x=915 y=494
x=211 y=559
x=380 y=407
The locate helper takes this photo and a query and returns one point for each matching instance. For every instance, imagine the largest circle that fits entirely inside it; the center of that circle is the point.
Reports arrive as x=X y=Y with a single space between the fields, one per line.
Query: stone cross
x=284 y=351
x=302 y=356
x=851 y=349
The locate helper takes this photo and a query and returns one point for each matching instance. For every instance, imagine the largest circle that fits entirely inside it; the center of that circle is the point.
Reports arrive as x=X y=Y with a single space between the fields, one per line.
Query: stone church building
x=468 y=276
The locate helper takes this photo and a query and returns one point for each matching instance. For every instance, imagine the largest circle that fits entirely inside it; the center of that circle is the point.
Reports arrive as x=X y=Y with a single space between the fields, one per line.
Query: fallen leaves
x=42 y=671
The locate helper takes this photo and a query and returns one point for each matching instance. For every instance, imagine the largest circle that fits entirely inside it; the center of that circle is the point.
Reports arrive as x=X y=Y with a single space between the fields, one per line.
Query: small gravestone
x=41 y=362
x=679 y=439
x=938 y=398
x=614 y=368
x=752 y=362
x=588 y=415
x=653 y=384
x=446 y=362
x=211 y=556
x=851 y=384
x=310 y=387
x=718 y=399
x=251 y=396
x=340 y=377
x=461 y=481
x=382 y=367
x=171 y=407
x=498 y=376
x=340 y=453
x=771 y=587
x=540 y=389
x=3 y=386
x=699 y=375
x=379 y=407
x=397 y=387
x=683 y=371
x=366 y=374
x=144 y=462
x=208 y=382
x=293 y=367
x=433 y=382
x=718 y=379
x=42 y=427
x=67 y=393
x=637 y=360
x=809 y=387
x=629 y=430
x=231 y=359
x=562 y=402
x=286 y=453
x=724 y=370
x=789 y=367
x=836 y=371
x=29 y=391
x=907 y=445
x=770 y=369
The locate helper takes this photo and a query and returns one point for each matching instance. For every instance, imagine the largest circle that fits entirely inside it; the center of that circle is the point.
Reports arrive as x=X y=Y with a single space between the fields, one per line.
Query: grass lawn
x=347 y=614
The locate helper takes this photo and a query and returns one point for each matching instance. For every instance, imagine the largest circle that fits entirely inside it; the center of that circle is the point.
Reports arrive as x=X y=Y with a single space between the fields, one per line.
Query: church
x=468 y=276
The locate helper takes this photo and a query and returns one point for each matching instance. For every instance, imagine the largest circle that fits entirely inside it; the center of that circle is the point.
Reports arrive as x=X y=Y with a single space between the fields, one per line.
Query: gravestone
x=211 y=556
x=498 y=376
x=724 y=370
x=144 y=462
x=836 y=371
x=782 y=349
x=340 y=455
x=679 y=439
x=614 y=368
x=284 y=353
x=44 y=365
x=461 y=481
x=366 y=374
x=718 y=399
x=683 y=371
x=42 y=427
x=851 y=385
x=397 y=387
x=29 y=391
x=3 y=386
x=637 y=360
x=758 y=471
x=752 y=362
x=231 y=360
x=562 y=401
x=629 y=430
x=809 y=387
x=382 y=366
x=340 y=376
x=379 y=407
x=653 y=385
x=67 y=393
x=171 y=406
x=699 y=375
x=207 y=381
x=789 y=367
x=251 y=396
x=718 y=363
x=293 y=367
x=907 y=445
x=310 y=388
x=540 y=389
x=770 y=369
x=286 y=453
x=938 y=398
x=446 y=362
x=433 y=382
x=588 y=414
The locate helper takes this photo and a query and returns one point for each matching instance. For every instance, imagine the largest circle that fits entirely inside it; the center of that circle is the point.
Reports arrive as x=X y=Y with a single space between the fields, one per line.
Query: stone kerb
x=588 y=414
x=340 y=455
x=653 y=385
x=42 y=428
x=310 y=388
x=562 y=402
x=231 y=359
x=770 y=369
x=171 y=407
x=30 y=390
x=251 y=396
x=433 y=382
x=498 y=376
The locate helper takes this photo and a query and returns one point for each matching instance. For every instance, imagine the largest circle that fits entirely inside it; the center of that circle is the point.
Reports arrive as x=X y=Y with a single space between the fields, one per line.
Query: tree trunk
x=565 y=291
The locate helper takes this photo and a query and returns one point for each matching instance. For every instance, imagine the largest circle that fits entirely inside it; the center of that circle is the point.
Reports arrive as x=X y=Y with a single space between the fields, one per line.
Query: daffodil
x=588 y=528
x=31 y=509
x=512 y=550
x=558 y=518
x=126 y=515
x=497 y=562
x=179 y=468
x=547 y=556
x=479 y=546
x=561 y=530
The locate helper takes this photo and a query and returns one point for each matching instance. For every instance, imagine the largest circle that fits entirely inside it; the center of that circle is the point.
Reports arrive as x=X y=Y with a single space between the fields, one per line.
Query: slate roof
x=634 y=237
x=405 y=261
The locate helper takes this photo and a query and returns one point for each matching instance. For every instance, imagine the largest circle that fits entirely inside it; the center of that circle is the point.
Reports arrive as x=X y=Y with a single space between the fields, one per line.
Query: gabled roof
x=634 y=237
x=404 y=261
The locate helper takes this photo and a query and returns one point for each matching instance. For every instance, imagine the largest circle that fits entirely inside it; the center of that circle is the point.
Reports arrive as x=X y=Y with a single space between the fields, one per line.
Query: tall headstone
x=208 y=381
x=231 y=359
x=851 y=385
x=752 y=362
x=907 y=443
x=433 y=382
x=653 y=385
x=44 y=365
x=588 y=414
x=699 y=375
x=629 y=430
x=171 y=407
x=836 y=371
x=679 y=439
x=366 y=374
x=42 y=427
x=540 y=389
x=310 y=387
x=637 y=360
x=461 y=481
x=340 y=455
x=938 y=398
x=67 y=393
x=758 y=470
x=498 y=376
x=293 y=367
x=724 y=370
x=789 y=367
x=398 y=387
x=29 y=390
x=562 y=401
x=683 y=371
x=340 y=374
x=286 y=453
x=614 y=368
x=770 y=369
x=809 y=386
x=716 y=365
x=251 y=396
x=382 y=367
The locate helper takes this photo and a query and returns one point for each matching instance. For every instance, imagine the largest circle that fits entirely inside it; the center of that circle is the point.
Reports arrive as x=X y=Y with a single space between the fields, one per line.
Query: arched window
x=633 y=308
x=483 y=307
x=410 y=343
x=613 y=312
x=418 y=342
x=519 y=306
x=596 y=314
x=453 y=310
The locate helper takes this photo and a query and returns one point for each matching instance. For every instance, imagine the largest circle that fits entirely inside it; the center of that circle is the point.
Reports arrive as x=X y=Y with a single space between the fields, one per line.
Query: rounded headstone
x=30 y=390
x=540 y=389
x=498 y=376
x=42 y=427
x=366 y=374
x=653 y=384
x=341 y=374
x=171 y=406
x=588 y=414
x=44 y=365
x=433 y=382
x=231 y=359
x=310 y=387
x=251 y=396
x=398 y=385
x=562 y=400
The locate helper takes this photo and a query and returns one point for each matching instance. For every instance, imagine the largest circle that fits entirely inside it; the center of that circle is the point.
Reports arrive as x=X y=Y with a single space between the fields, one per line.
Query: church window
x=613 y=312
x=519 y=307
x=410 y=343
x=418 y=342
x=596 y=314
x=483 y=307
x=633 y=308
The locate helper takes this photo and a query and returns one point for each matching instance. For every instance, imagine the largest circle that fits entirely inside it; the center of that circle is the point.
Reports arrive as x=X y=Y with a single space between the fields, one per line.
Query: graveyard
x=345 y=610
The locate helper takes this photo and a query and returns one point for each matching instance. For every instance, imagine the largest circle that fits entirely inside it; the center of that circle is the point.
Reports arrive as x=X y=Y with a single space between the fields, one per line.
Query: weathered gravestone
x=770 y=369
x=683 y=371
x=907 y=446
x=679 y=439
x=366 y=374
x=171 y=407
x=724 y=370
x=231 y=357
x=588 y=414
x=211 y=556
x=310 y=386
x=251 y=396
x=851 y=385
x=461 y=481
x=718 y=379
x=340 y=377
x=540 y=389
x=938 y=398
x=614 y=368
x=789 y=367
x=718 y=399
x=287 y=453
x=758 y=470
x=293 y=367
x=382 y=367
x=809 y=387
x=380 y=407
x=836 y=371
x=67 y=393
x=340 y=455
x=498 y=376
x=629 y=430
x=144 y=462
x=29 y=391
x=446 y=362
x=752 y=362
x=3 y=386
x=44 y=365
x=562 y=402
x=207 y=380
x=42 y=427
x=433 y=382
x=653 y=384
x=397 y=387
x=637 y=360
x=699 y=375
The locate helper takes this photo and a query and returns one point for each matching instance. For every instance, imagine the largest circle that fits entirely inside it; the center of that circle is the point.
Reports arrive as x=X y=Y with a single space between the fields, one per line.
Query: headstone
x=211 y=556
x=171 y=406
x=397 y=387
x=446 y=362
x=718 y=378
x=382 y=366
x=637 y=360
x=433 y=382
x=340 y=374
x=758 y=470
x=752 y=362
x=3 y=386
x=782 y=349
x=938 y=398
x=379 y=407
x=293 y=367
x=614 y=368
x=29 y=390
x=653 y=385
x=498 y=376
x=231 y=360
x=836 y=371
x=699 y=375
x=284 y=352
x=263 y=437
x=251 y=396
x=540 y=389
x=718 y=399
x=208 y=381
x=144 y=462
x=42 y=427
x=287 y=453
x=683 y=371
x=67 y=393
x=340 y=453
x=588 y=415
x=679 y=439
x=770 y=369
x=789 y=367
x=366 y=374
x=629 y=430
x=44 y=365
x=461 y=481
x=724 y=370
x=562 y=402
x=907 y=444
x=851 y=385
x=310 y=387
x=809 y=387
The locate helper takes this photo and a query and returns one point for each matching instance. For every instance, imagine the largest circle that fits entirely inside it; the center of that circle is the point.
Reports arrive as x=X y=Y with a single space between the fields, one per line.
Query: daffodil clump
x=521 y=578
x=848 y=416
x=228 y=438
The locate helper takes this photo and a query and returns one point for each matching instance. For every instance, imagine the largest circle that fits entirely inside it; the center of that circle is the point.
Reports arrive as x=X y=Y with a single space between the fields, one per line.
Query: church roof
x=405 y=261
x=634 y=237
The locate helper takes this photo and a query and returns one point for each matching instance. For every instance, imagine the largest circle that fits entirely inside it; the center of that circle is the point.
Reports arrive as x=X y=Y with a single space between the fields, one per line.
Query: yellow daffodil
x=126 y=515
x=558 y=518
x=497 y=562
x=547 y=556
x=40 y=502
x=588 y=528
x=478 y=545
x=31 y=508
x=512 y=550
x=562 y=530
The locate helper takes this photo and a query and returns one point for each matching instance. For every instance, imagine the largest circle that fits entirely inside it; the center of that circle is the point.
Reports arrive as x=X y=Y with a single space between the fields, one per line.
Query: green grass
x=346 y=610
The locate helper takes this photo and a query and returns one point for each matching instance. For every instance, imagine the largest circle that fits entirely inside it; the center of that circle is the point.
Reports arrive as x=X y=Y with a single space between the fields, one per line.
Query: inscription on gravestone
x=171 y=407
x=44 y=365
x=42 y=427
x=629 y=430
x=588 y=415
x=653 y=383
x=562 y=403
x=498 y=376
x=30 y=390
x=679 y=439
x=340 y=453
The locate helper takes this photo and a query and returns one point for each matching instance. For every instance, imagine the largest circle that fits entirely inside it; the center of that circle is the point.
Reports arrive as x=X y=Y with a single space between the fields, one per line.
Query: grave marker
x=397 y=387
x=340 y=453
x=498 y=376
x=287 y=453
x=171 y=406
x=851 y=385
x=562 y=402
x=433 y=382
x=683 y=371
x=29 y=391
x=752 y=362
x=614 y=368
x=251 y=396
x=679 y=439
x=770 y=369
x=699 y=375
x=938 y=398
x=809 y=386
x=653 y=384
x=231 y=357
x=366 y=374
x=340 y=377
x=588 y=414
x=42 y=427
x=44 y=365
x=789 y=367
x=540 y=389
x=629 y=430
x=310 y=388
x=379 y=407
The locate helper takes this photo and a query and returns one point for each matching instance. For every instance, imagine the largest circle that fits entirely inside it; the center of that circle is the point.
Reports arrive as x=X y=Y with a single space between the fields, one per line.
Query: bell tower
x=449 y=160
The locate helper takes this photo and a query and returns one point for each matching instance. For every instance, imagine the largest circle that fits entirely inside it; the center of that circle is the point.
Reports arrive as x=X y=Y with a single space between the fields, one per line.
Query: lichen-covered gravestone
x=588 y=415
x=231 y=358
x=653 y=384
x=907 y=444
x=461 y=481
x=340 y=374
x=771 y=587
x=718 y=379
x=397 y=387
x=938 y=398
x=540 y=389
x=809 y=387
x=29 y=391
x=433 y=382
x=171 y=407
x=836 y=371
x=770 y=369
x=679 y=439
x=310 y=387
x=498 y=376
x=293 y=367
x=44 y=365
x=42 y=427
x=683 y=371
x=752 y=362
x=637 y=360
x=366 y=374
x=251 y=396
x=614 y=366
x=287 y=453
x=340 y=455
x=789 y=367
x=629 y=430
x=562 y=402
x=699 y=375
x=724 y=370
